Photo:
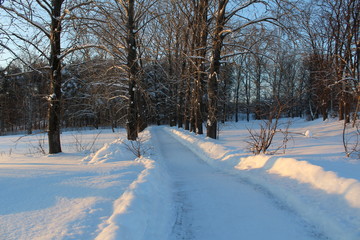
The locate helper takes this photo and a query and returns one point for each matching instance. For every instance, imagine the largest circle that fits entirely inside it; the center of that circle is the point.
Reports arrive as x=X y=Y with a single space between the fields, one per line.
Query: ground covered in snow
x=183 y=187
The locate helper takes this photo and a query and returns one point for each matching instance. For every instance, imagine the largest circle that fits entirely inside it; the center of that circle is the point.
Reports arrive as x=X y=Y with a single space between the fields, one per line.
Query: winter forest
x=186 y=63
x=179 y=119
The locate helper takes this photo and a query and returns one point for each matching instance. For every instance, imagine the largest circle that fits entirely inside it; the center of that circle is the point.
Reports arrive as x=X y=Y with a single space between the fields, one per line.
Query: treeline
x=186 y=63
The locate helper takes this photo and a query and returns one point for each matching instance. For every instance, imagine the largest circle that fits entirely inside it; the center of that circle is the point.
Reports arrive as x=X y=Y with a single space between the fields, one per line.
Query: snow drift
x=301 y=171
x=305 y=172
x=109 y=194
x=143 y=210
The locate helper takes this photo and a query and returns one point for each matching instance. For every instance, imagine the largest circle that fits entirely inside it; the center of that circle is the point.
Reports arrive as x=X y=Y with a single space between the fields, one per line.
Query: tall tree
x=54 y=113
x=133 y=66
x=45 y=20
x=220 y=31
x=344 y=21
x=214 y=73
x=200 y=38
x=120 y=26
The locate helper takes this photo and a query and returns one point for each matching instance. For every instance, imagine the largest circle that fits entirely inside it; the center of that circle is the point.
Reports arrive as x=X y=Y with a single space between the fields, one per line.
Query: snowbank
x=207 y=149
x=301 y=171
x=106 y=195
x=305 y=172
x=143 y=211
x=336 y=208
x=110 y=152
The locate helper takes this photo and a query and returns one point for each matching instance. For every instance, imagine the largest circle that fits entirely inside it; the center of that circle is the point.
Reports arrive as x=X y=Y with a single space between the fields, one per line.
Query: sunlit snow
x=186 y=186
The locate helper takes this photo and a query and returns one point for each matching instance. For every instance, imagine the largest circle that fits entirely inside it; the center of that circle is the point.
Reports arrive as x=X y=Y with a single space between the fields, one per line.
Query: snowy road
x=214 y=205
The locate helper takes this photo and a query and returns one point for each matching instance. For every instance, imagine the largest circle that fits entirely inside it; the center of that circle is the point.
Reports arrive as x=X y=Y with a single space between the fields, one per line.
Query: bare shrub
x=39 y=146
x=351 y=139
x=136 y=147
x=261 y=140
x=3 y=153
x=81 y=145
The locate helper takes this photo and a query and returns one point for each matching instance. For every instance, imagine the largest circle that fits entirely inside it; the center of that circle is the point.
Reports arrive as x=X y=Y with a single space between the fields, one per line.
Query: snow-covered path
x=214 y=205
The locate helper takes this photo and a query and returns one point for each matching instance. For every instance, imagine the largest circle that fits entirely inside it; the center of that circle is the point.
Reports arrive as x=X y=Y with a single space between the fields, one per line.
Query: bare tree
x=220 y=31
x=351 y=139
x=344 y=26
x=262 y=140
x=219 y=35
x=119 y=26
x=46 y=20
x=133 y=66
x=200 y=36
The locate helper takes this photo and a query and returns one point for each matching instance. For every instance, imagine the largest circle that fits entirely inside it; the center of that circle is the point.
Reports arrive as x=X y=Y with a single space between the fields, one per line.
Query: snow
x=213 y=205
x=134 y=212
x=77 y=196
x=185 y=186
x=308 y=133
x=305 y=172
x=321 y=197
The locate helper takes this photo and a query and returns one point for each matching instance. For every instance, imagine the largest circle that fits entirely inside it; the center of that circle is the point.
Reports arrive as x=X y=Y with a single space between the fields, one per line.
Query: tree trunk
x=187 y=105
x=181 y=98
x=180 y=101
x=179 y=107
x=192 y=116
x=133 y=70
x=258 y=110
x=183 y=89
x=54 y=111
x=201 y=53
x=237 y=95
x=211 y=126
x=248 y=96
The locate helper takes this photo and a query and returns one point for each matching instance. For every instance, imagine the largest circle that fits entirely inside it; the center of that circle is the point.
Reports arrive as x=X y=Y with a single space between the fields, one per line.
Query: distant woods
x=186 y=63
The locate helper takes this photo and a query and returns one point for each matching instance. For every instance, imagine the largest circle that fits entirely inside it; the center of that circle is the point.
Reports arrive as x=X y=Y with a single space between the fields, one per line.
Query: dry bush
x=137 y=147
x=351 y=139
x=261 y=140
x=81 y=145
x=39 y=146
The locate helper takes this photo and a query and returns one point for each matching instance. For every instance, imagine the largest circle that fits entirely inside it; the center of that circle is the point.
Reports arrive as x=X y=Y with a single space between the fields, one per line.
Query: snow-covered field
x=184 y=187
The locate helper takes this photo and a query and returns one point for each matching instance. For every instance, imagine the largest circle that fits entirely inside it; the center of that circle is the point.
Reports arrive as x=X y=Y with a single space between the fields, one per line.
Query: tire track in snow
x=182 y=226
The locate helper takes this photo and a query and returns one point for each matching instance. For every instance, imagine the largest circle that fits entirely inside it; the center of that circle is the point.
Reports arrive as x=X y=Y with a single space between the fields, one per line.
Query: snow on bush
x=308 y=133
